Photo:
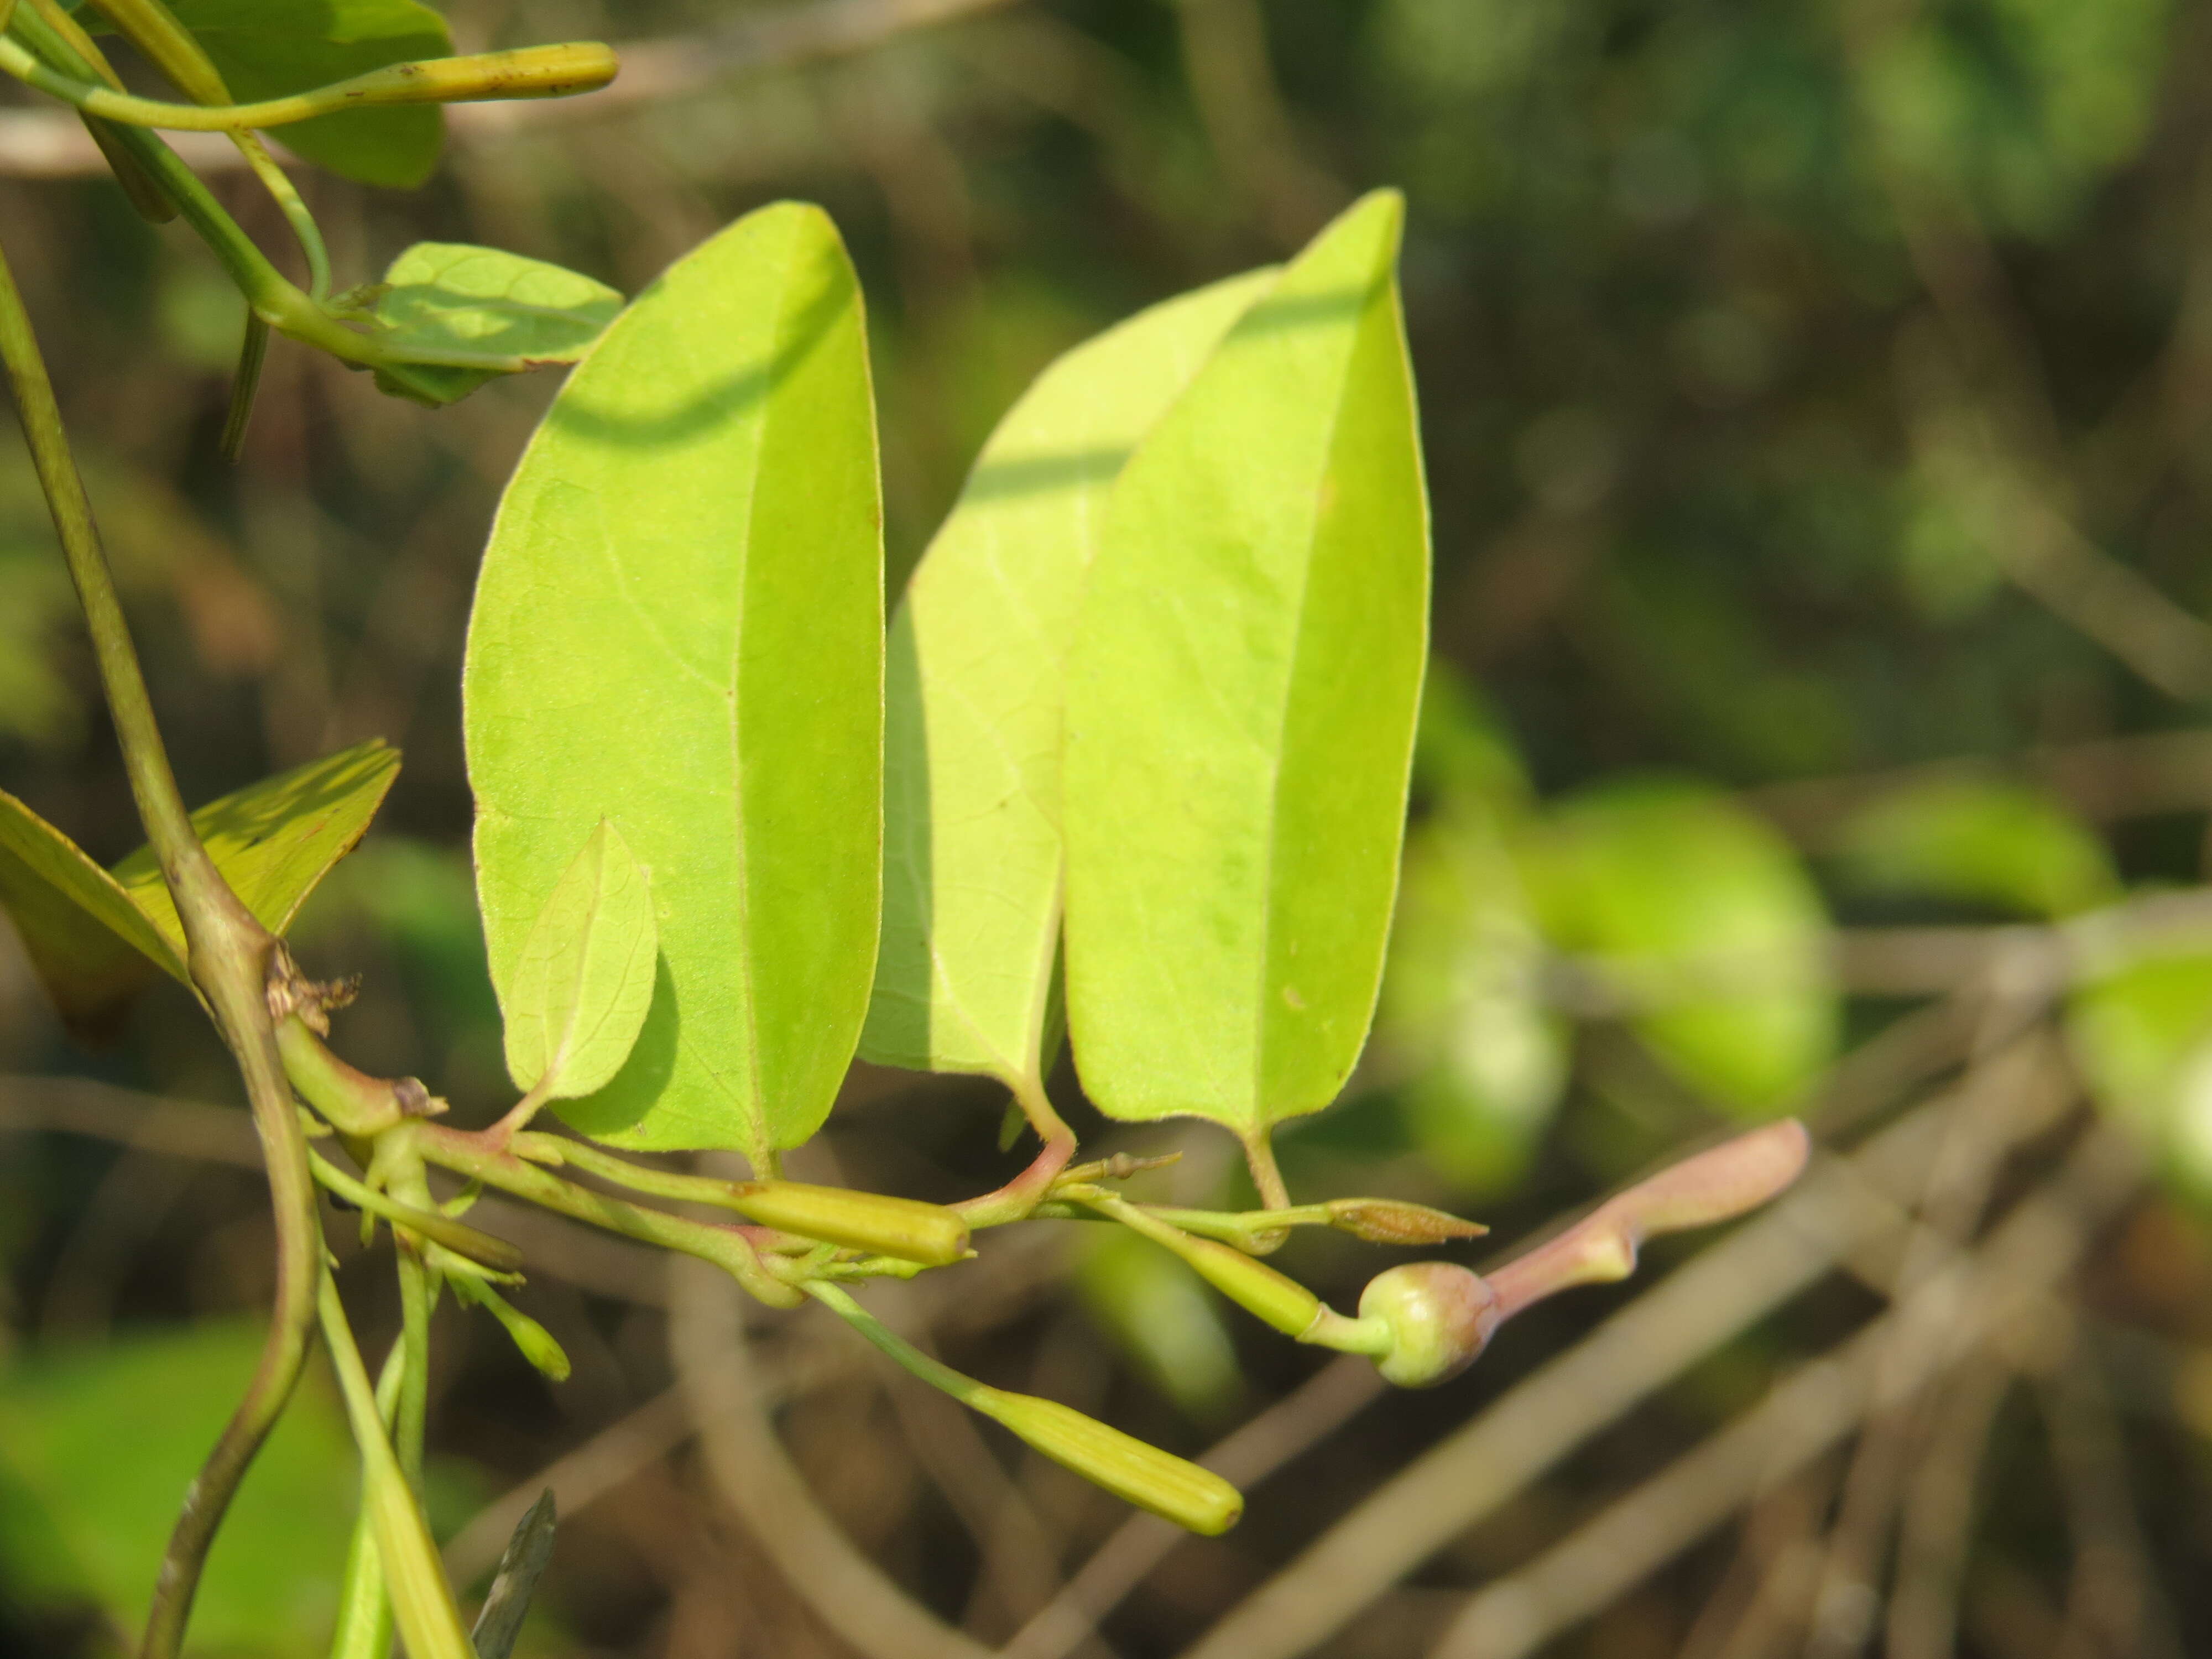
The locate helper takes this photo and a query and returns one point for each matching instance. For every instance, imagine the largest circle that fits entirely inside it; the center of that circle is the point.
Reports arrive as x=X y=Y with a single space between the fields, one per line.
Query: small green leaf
x=1980 y=841
x=91 y=934
x=977 y=652
x=270 y=48
x=1241 y=707
x=679 y=625
x=1689 y=903
x=580 y=990
x=441 y=297
x=2143 y=1036
x=530 y=1339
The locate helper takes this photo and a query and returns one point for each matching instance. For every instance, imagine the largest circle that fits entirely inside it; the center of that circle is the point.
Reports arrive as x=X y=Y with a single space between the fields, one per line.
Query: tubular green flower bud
x=1170 y=1487
x=1439 y=1314
x=1258 y=1289
x=874 y=1222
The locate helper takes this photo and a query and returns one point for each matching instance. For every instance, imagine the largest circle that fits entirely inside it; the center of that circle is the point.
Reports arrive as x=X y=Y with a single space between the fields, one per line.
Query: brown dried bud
x=1393 y=1221
x=290 y=993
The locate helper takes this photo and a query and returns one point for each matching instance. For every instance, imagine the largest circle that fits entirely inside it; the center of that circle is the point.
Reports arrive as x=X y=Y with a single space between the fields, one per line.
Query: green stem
x=364 y=1621
x=550 y=71
x=1018 y=1199
x=963 y=1388
x=1142 y=1474
x=227 y=953
x=456 y=1236
x=422 y=1601
x=415 y=1380
x=725 y=1247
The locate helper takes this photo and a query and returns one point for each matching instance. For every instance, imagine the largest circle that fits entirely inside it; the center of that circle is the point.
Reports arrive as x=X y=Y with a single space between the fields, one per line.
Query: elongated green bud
x=530 y=1339
x=1254 y=1287
x=1170 y=1487
x=874 y=1222
x=1393 y=1221
x=551 y=72
x=1439 y=1314
x=1258 y=1289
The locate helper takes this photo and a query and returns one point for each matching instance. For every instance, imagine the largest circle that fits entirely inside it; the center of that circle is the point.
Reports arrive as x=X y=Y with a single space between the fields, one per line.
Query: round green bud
x=1439 y=1316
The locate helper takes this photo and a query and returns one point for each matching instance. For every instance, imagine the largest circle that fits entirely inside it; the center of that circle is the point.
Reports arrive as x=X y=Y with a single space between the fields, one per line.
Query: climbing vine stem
x=227 y=952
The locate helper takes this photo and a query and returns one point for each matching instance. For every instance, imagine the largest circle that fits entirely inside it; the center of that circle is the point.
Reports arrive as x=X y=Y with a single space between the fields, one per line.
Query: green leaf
x=80 y=1522
x=1981 y=841
x=2143 y=1036
x=270 y=48
x=1463 y=1006
x=1233 y=818
x=585 y=976
x=274 y=839
x=977 y=653
x=679 y=625
x=91 y=934
x=1689 y=903
x=93 y=948
x=447 y=296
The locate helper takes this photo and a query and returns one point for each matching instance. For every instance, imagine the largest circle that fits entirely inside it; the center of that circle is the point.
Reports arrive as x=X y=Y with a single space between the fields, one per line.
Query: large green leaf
x=1241 y=707
x=1982 y=842
x=1700 y=913
x=679 y=628
x=96 y=938
x=97 y=1448
x=267 y=48
x=978 y=650
x=449 y=296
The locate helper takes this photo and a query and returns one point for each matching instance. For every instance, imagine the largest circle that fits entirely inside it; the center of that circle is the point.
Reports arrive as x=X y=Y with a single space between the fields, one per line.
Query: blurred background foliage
x=1818 y=408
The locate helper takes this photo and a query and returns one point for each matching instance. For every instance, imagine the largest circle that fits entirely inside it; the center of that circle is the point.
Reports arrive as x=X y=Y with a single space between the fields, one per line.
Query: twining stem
x=226 y=949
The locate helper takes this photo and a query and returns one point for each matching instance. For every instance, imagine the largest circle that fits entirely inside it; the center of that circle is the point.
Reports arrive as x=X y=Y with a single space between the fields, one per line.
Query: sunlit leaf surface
x=96 y=937
x=678 y=628
x=1241 y=708
x=974 y=694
